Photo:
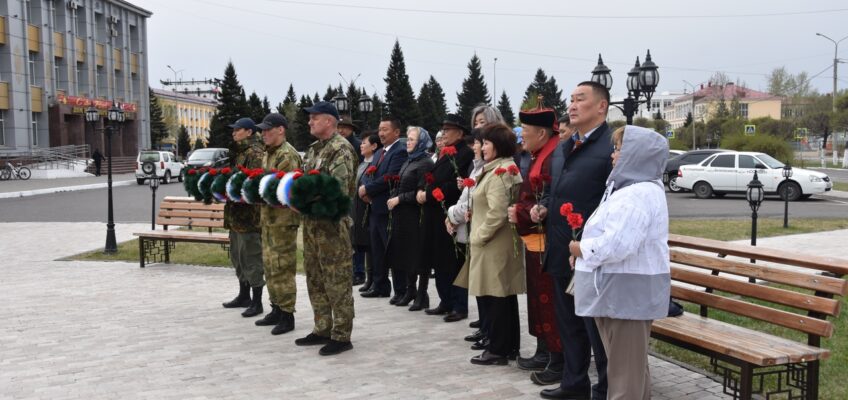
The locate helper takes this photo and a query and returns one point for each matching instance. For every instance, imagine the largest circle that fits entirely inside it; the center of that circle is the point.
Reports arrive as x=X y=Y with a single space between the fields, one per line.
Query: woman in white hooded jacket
x=621 y=262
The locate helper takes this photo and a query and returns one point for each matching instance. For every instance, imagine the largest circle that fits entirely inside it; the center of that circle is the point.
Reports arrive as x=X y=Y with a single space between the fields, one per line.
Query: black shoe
x=255 y=304
x=488 y=358
x=560 y=393
x=407 y=298
x=481 y=344
x=242 y=299
x=358 y=280
x=367 y=285
x=475 y=324
x=334 y=347
x=272 y=318
x=512 y=355
x=546 y=377
x=474 y=337
x=537 y=362
x=395 y=299
x=421 y=302
x=286 y=324
x=311 y=340
x=440 y=310
x=455 y=316
x=373 y=293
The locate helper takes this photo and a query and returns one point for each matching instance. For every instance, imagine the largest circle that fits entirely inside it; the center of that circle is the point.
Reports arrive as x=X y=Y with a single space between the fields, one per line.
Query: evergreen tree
x=256 y=112
x=374 y=117
x=280 y=108
x=547 y=87
x=689 y=120
x=353 y=93
x=432 y=105
x=158 y=129
x=266 y=106
x=506 y=109
x=330 y=93
x=474 y=90
x=400 y=99
x=183 y=143
x=232 y=106
x=298 y=133
x=290 y=96
x=316 y=98
x=198 y=144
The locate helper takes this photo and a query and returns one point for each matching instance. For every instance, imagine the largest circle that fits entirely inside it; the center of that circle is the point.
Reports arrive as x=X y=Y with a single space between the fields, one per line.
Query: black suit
x=579 y=177
x=387 y=163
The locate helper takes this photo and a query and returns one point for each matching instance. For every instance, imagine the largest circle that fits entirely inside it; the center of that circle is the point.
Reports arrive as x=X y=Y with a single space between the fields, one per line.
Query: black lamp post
x=642 y=80
x=365 y=106
x=342 y=104
x=115 y=116
x=754 y=195
x=787 y=173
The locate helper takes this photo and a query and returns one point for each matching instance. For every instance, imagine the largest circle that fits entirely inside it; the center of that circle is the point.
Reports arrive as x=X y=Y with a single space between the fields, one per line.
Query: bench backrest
x=188 y=212
x=717 y=275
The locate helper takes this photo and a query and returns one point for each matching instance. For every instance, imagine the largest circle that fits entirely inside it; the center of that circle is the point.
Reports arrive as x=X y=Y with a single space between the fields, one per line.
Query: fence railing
x=49 y=158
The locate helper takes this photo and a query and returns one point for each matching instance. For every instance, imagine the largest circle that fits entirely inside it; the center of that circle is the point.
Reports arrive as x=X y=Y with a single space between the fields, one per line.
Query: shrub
x=771 y=145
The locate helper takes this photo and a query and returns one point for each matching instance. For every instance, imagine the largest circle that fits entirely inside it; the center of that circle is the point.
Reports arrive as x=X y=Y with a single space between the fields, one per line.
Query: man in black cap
x=348 y=131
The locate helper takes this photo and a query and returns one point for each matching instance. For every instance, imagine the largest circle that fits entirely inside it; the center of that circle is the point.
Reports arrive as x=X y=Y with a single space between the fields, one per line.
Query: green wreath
x=320 y=196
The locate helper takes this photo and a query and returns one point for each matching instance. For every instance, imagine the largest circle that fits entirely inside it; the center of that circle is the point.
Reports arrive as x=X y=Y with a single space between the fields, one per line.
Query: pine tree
x=374 y=117
x=298 y=134
x=266 y=106
x=432 y=104
x=280 y=108
x=183 y=143
x=330 y=93
x=400 y=99
x=506 y=109
x=316 y=98
x=353 y=95
x=158 y=129
x=232 y=106
x=290 y=96
x=256 y=112
x=198 y=144
x=474 y=90
x=547 y=87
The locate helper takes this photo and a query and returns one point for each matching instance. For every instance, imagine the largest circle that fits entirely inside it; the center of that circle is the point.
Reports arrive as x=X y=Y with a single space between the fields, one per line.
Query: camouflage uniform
x=327 y=250
x=243 y=220
x=279 y=234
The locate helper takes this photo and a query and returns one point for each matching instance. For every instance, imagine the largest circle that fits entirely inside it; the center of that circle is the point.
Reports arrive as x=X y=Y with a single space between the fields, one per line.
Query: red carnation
x=448 y=151
x=280 y=175
x=387 y=178
x=192 y=171
x=429 y=178
x=297 y=174
x=226 y=170
x=536 y=181
x=468 y=182
x=438 y=195
x=575 y=220
x=566 y=209
x=500 y=171
x=396 y=178
x=213 y=172
x=313 y=172
x=298 y=170
x=371 y=170
x=513 y=170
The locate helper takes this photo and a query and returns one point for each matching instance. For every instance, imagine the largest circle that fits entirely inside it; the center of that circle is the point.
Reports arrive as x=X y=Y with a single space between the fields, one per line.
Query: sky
x=311 y=44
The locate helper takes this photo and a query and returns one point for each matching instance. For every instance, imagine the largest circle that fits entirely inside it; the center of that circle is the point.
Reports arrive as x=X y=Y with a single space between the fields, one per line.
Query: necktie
x=577 y=144
x=382 y=155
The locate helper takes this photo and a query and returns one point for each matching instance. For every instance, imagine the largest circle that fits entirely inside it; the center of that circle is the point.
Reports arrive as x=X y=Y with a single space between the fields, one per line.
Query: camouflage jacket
x=334 y=156
x=281 y=158
x=240 y=217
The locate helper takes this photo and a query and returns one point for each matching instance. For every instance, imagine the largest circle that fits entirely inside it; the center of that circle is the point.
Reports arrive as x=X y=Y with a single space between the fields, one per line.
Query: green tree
x=232 y=106
x=291 y=98
x=316 y=98
x=643 y=122
x=660 y=125
x=330 y=93
x=266 y=106
x=474 y=91
x=256 y=113
x=298 y=133
x=183 y=143
x=547 y=87
x=198 y=144
x=158 y=129
x=506 y=109
x=400 y=99
x=689 y=120
x=432 y=104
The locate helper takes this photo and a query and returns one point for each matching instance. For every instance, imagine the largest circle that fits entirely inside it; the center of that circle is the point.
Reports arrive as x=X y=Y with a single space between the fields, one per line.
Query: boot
x=421 y=302
x=407 y=298
x=538 y=361
x=243 y=298
x=255 y=304
x=286 y=324
x=273 y=317
x=552 y=373
x=367 y=285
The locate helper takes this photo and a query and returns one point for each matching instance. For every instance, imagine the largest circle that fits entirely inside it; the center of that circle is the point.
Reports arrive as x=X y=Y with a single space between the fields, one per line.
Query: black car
x=690 y=157
x=211 y=157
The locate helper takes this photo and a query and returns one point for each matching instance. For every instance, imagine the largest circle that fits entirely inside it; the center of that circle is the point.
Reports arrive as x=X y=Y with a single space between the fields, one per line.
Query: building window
x=35 y=129
x=32 y=59
x=101 y=88
x=743 y=110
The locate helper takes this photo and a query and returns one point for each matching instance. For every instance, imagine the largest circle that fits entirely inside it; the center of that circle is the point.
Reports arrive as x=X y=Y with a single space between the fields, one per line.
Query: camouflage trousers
x=279 y=255
x=246 y=256
x=327 y=262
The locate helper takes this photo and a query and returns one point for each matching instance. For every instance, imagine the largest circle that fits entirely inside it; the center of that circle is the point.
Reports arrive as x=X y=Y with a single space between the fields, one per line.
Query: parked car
x=731 y=172
x=211 y=157
x=165 y=165
x=689 y=157
x=674 y=153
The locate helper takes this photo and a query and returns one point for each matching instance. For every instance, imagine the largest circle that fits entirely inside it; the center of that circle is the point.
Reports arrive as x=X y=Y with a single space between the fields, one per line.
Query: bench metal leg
x=167 y=251
x=746 y=382
x=813 y=380
x=141 y=253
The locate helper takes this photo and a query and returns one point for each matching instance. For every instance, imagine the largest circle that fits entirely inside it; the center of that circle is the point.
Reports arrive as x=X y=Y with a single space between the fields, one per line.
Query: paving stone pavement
x=105 y=330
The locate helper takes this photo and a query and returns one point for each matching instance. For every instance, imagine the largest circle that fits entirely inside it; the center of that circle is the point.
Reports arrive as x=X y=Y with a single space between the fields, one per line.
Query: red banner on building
x=76 y=101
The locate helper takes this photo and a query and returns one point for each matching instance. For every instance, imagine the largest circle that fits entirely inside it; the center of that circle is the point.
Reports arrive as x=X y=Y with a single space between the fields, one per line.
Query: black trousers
x=454 y=298
x=503 y=328
x=580 y=339
x=379 y=240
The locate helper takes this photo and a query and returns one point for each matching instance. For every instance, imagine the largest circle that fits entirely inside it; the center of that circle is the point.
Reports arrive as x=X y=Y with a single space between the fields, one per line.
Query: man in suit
x=579 y=168
x=376 y=192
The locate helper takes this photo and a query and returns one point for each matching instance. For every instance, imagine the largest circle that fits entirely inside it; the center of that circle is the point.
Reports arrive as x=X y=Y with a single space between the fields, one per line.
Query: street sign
x=750 y=130
x=669 y=134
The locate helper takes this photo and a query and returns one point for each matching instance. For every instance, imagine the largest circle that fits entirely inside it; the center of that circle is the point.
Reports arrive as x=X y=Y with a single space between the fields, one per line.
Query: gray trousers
x=626 y=345
x=246 y=256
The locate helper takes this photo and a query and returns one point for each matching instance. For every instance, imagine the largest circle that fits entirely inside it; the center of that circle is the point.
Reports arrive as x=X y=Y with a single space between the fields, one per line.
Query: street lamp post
x=692 y=111
x=365 y=106
x=642 y=80
x=115 y=116
x=342 y=104
x=787 y=173
x=835 y=63
x=754 y=195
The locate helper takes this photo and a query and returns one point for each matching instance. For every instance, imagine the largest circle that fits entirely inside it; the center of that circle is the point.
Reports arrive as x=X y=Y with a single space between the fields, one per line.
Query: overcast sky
x=309 y=43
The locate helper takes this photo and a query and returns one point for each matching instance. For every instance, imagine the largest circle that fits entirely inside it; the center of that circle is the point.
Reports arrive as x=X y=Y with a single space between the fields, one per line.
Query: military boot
x=286 y=324
x=273 y=317
x=243 y=298
x=538 y=361
x=255 y=304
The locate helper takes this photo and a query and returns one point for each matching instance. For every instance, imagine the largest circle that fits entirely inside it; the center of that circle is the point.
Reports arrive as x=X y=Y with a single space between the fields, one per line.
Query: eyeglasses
x=616 y=148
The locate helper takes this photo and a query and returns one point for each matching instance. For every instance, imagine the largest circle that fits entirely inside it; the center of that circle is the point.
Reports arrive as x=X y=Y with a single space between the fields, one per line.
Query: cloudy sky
x=311 y=43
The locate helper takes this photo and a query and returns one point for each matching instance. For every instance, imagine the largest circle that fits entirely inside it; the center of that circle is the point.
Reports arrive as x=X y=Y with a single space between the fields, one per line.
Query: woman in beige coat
x=496 y=269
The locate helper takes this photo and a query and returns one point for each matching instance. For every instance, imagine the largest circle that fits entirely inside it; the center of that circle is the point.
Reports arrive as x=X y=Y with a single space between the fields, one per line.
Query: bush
x=768 y=144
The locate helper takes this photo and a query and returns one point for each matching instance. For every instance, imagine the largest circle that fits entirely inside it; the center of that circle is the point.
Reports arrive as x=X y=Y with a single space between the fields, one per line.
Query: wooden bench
x=715 y=280
x=156 y=246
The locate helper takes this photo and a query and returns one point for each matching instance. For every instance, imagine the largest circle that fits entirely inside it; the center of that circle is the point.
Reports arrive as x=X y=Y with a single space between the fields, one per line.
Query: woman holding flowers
x=496 y=269
x=360 y=237
x=406 y=242
x=621 y=262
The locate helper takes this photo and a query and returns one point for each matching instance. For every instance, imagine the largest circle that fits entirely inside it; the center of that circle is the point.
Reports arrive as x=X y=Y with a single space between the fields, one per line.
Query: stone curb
x=26 y=193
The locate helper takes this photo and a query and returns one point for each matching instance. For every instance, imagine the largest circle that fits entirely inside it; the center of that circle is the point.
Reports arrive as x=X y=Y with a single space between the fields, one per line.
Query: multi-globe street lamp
x=115 y=116
x=642 y=80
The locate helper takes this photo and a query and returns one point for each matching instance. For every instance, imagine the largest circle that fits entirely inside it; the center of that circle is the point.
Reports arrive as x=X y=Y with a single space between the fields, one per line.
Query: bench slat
x=777 y=317
x=743 y=288
x=194 y=214
x=809 y=281
x=191 y=206
x=214 y=237
x=194 y=223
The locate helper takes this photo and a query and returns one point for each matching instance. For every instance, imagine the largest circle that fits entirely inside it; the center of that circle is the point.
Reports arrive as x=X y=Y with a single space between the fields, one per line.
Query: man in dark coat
x=349 y=131
x=579 y=169
x=98 y=161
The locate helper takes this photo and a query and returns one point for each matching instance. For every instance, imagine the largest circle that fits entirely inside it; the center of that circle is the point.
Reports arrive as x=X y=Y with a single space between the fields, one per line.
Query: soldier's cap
x=544 y=117
x=273 y=120
x=323 y=107
x=345 y=121
x=455 y=120
x=244 y=123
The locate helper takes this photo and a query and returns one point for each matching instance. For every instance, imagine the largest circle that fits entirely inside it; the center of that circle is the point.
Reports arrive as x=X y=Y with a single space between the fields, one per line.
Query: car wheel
x=167 y=178
x=703 y=190
x=140 y=181
x=672 y=185
x=181 y=176
x=789 y=190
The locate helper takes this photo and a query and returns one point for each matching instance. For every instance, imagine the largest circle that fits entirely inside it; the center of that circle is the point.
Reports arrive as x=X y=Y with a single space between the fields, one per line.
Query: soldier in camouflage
x=279 y=230
x=242 y=220
x=326 y=244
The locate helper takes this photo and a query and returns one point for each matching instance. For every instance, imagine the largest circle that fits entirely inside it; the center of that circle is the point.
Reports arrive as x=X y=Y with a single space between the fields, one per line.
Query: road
x=837 y=175
x=132 y=204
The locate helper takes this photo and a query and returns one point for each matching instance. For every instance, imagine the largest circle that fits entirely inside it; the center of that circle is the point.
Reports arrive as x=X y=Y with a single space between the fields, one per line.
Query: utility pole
x=495 y=82
x=693 y=113
x=835 y=63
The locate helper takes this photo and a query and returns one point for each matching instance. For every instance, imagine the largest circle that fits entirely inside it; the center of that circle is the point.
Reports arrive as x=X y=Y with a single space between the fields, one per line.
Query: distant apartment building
x=189 y=110
x=660 y=102
x=752 y=104
x=60 y=57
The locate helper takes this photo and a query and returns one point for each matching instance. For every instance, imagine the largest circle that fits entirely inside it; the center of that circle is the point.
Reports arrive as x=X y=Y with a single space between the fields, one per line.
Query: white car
x=730 y=172
x=165 y=165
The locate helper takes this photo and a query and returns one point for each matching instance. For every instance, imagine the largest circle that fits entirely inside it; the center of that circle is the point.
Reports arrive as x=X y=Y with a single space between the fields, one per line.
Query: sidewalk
x=81 y=330
x=32 y=187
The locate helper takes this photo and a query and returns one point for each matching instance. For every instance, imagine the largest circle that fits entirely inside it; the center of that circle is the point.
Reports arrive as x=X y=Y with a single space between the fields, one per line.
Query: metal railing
x=49 y=158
